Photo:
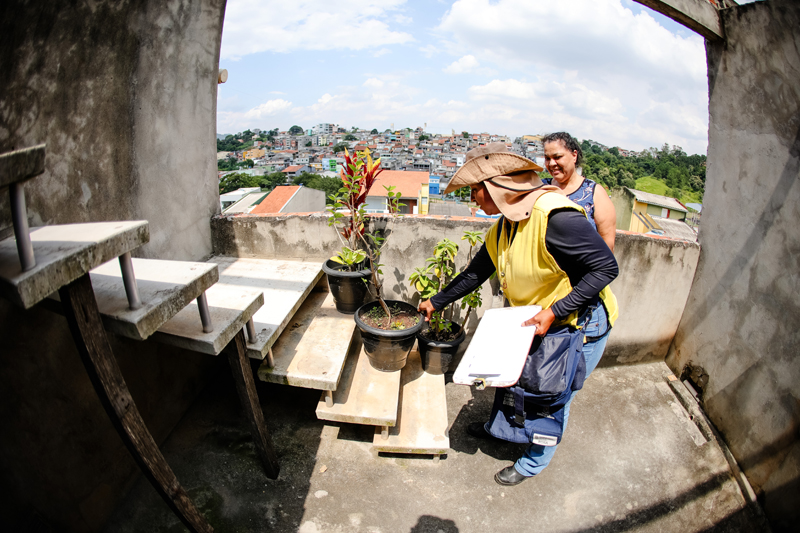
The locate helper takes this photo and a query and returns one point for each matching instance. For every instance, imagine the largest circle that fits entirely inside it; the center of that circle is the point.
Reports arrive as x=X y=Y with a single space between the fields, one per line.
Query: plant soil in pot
x=387 y=344
x=437 y=355
x=348 y=288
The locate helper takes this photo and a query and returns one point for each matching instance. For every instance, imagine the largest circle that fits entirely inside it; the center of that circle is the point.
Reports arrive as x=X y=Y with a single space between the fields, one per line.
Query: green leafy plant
x=349 y=258
x=437 y=273
x=472 y=300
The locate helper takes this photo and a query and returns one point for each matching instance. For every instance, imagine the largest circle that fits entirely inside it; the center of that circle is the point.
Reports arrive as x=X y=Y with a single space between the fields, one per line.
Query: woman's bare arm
x=605 y=216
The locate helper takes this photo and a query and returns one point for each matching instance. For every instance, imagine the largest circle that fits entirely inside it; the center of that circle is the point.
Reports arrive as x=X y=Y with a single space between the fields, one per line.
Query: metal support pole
x=129 y=280
x=251 y=331
x=384 y=432
x=19 y=217
x=328 y=398
x=205 y=314
x=270 y=358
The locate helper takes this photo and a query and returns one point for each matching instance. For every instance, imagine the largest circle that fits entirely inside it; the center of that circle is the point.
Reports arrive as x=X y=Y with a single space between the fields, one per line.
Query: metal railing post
x=19 y=216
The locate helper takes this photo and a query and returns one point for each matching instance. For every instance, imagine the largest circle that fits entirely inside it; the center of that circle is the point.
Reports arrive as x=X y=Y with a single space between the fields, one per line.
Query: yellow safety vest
x=527 y=271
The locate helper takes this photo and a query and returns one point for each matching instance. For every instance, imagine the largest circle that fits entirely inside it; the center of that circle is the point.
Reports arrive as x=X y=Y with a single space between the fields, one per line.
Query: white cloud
x=381 y=52
x=373 y=82
x=231 y=120
x=253 y=26
x=402 y=19
x=268 y=109
x=592 y=66
x=466 y=64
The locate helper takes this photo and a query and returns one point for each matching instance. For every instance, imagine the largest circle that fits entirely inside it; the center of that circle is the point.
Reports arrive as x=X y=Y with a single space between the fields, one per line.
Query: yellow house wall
x=422 y=199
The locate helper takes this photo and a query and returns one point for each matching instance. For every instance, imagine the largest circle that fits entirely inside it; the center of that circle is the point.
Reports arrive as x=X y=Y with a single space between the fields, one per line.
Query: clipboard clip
x=480 y=383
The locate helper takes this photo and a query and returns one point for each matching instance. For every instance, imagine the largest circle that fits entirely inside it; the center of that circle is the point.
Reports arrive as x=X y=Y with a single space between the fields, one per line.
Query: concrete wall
x=740 y=334
x=656 y=273
x=623 y=201
x=124 y=95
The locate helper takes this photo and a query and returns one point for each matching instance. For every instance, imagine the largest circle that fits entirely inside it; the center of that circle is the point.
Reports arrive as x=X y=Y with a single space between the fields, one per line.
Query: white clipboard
x=497 y=352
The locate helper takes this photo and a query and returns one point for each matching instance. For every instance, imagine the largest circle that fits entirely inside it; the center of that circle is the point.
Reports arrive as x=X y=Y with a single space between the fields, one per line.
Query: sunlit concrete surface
x=628 y=462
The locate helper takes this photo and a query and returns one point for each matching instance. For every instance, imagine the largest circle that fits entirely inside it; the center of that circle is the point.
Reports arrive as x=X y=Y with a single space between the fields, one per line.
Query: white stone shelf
x=63 y=254
x=422 y=426
x=312 y=349
x=364 y=395
x=165 y=288
x=285 y=285
x=230 y=309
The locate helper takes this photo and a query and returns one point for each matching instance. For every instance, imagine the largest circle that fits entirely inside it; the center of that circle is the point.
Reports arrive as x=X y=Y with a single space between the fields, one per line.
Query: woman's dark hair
x=570 y=143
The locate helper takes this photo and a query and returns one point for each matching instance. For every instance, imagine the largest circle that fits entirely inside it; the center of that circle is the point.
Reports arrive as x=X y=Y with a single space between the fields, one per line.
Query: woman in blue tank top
x=562 y=156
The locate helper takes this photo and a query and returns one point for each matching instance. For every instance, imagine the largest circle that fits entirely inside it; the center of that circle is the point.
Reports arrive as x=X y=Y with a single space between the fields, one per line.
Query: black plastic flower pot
x=348 y=288
x=388 y=349
x=437 y=356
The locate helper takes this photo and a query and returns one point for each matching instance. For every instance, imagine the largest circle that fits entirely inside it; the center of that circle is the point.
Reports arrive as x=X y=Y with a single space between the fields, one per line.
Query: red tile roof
x=293 y=168
x=275 y=200
x=407 y=183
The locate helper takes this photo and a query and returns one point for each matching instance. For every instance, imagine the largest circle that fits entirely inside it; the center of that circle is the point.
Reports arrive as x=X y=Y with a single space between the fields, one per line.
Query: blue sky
x=609 y=70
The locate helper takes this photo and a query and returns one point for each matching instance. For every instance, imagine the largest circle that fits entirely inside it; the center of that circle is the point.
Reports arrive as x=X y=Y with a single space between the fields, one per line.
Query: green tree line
x=684 y=175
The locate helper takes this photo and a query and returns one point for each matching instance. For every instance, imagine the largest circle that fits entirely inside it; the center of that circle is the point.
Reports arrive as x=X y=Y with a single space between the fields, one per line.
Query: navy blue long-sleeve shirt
x=578 y=250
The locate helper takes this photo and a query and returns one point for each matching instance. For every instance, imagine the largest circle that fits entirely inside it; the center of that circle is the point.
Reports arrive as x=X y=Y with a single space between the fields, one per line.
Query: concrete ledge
x=365 y=395
x=165 y=288
x=697 y=15
x=285 y=285
x=311 y=352
x=230 y=308
x=63 y=254
x=21 y=165
x=422 y=421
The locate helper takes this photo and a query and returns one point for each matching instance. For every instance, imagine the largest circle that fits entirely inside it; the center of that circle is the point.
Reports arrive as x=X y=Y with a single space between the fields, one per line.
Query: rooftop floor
x=629 y=461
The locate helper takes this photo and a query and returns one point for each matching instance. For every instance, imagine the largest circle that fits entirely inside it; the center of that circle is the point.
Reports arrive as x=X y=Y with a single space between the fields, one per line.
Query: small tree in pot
x=349 y=217
x=439 y=343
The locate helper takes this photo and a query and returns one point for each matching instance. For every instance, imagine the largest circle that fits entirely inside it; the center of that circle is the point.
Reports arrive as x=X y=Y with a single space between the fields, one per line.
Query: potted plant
x=438 y=344
x=388 y=327
x=348 y=271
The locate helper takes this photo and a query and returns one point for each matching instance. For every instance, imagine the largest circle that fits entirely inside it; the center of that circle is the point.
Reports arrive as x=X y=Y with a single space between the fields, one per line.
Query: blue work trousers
x=537 y=457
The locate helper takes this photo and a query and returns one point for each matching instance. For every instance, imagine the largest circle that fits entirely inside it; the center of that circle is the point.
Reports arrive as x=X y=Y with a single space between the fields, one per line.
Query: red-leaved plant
x=349 y=217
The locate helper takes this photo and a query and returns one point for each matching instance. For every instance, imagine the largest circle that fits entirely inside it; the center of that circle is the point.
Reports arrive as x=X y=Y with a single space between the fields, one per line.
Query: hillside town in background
x=656 y=191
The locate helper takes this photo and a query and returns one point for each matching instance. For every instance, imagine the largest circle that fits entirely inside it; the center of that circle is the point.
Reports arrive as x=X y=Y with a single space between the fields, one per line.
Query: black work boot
x=509 y=476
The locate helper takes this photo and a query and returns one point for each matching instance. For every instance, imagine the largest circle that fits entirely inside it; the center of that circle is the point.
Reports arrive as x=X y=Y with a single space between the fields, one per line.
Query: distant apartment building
x=324 y=129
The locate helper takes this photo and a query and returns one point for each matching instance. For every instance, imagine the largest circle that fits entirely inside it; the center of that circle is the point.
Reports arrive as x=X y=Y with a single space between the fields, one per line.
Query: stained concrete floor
x=627 y=463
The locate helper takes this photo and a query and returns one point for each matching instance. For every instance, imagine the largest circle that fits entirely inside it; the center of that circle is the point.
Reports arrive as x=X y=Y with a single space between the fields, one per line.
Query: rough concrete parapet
x=655 y=272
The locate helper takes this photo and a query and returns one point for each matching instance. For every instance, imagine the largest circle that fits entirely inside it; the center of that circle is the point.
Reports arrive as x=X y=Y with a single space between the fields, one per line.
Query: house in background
x=246 y=204
x=293 y=171
x=412 y=186
x=291 y=199
x=636 y=209
x=230 y=198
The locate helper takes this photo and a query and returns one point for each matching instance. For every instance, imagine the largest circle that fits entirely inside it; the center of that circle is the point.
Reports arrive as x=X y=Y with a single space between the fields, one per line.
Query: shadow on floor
x=214 y=458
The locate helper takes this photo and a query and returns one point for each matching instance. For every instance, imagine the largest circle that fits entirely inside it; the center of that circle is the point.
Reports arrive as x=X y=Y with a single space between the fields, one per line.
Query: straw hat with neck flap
x=511 y=180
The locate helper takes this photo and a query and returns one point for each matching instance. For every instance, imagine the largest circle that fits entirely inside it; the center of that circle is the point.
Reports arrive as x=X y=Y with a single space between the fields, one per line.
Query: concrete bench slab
x=364 y=395
x=63 y=254
x=422 y=421
x=312 y=349
x=21 y=165
x=285 y=285
x=230 y=309
x=165 y=288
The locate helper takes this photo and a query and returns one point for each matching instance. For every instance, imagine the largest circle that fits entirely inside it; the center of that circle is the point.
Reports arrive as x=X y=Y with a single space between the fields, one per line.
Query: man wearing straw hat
x=546 y=253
